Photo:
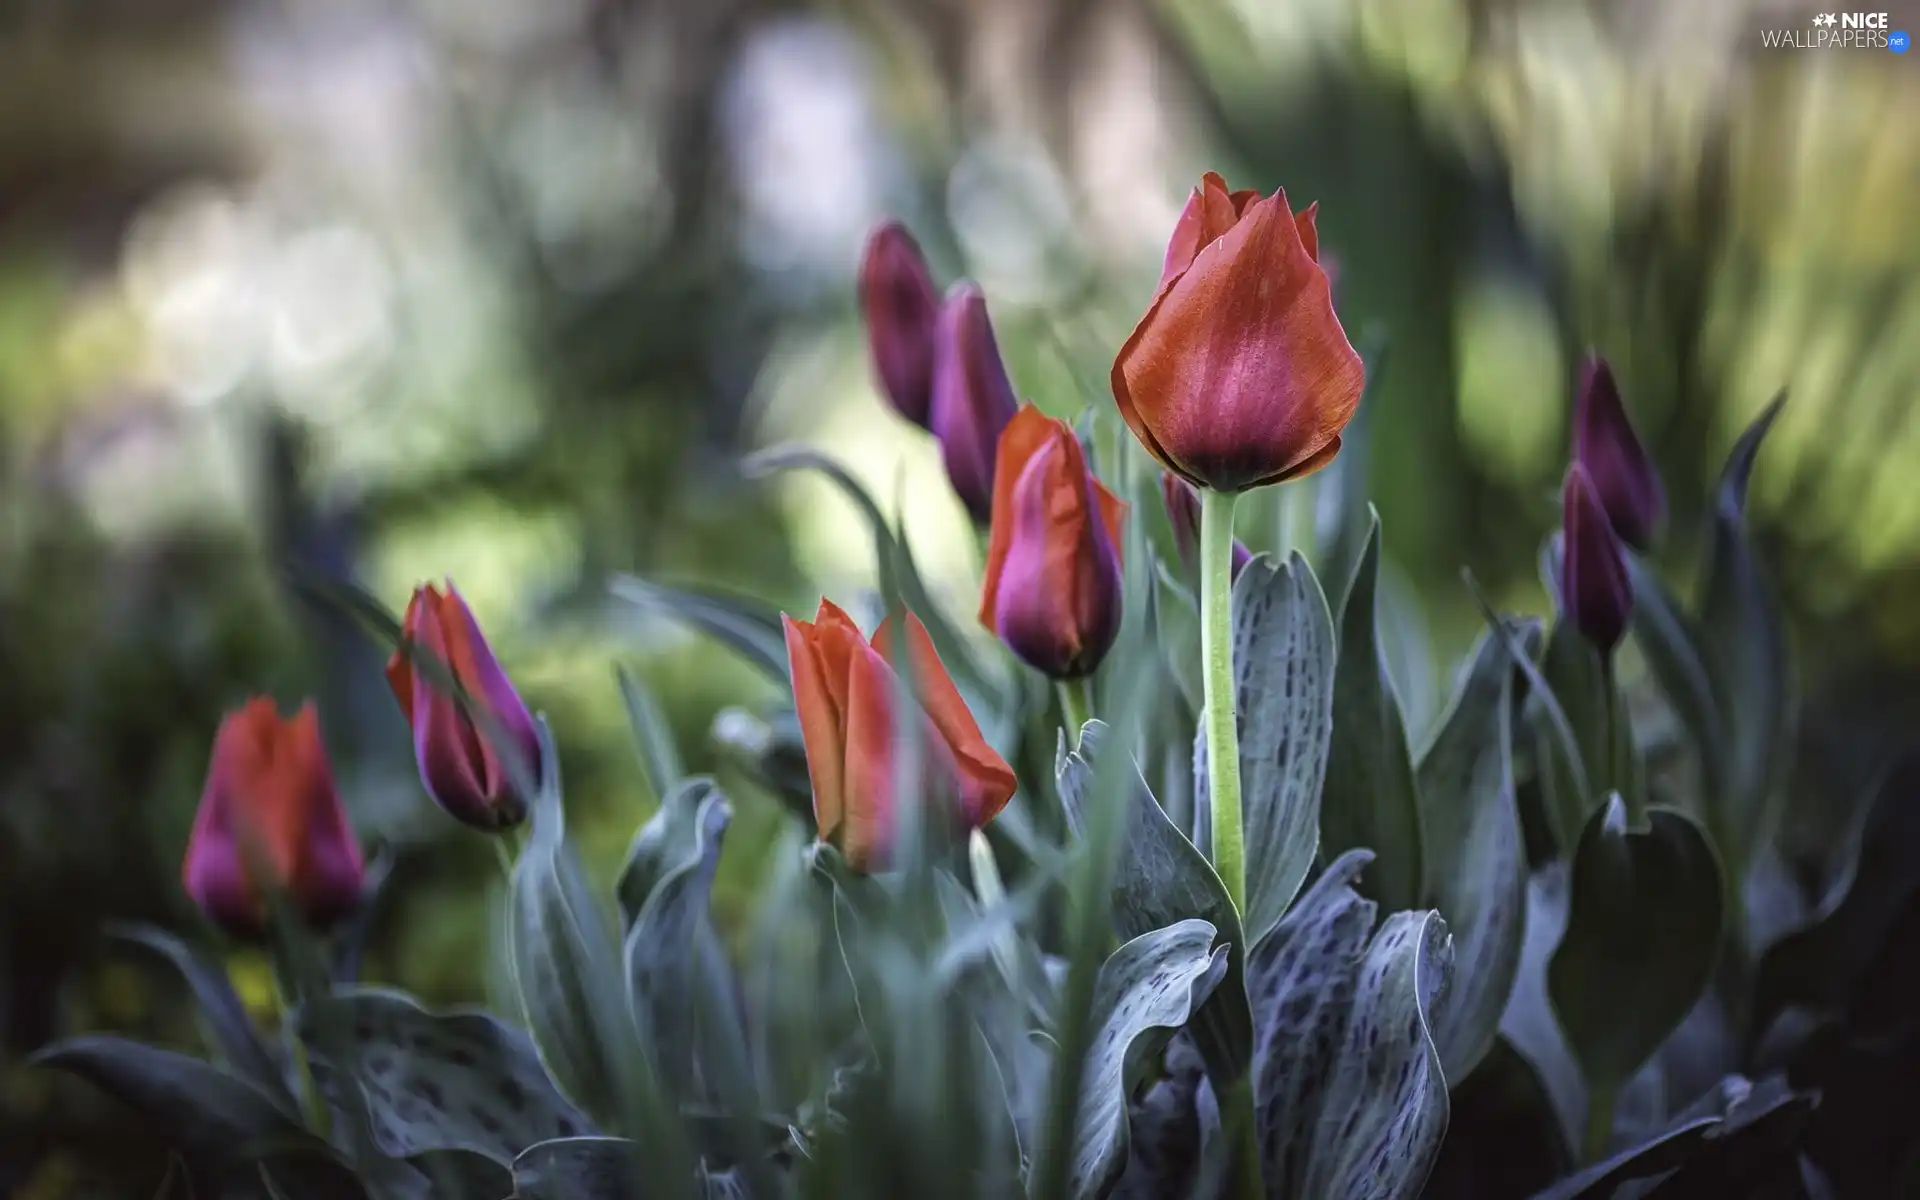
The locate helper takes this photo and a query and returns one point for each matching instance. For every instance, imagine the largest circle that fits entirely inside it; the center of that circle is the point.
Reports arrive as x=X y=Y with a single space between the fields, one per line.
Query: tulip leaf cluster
x=1148 y=887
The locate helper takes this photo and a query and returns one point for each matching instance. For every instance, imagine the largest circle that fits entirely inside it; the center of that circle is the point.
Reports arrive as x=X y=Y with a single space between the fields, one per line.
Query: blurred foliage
x=402 y=288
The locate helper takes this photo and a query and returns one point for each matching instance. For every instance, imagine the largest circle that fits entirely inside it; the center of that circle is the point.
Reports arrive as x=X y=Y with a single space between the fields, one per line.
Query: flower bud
x=1183 y=512
x=1596 y=593
x=972 y=397
x=845 y=694
x=1053 y=585
x=1605 y=444
x=461 y=767
x=270 y=820
x=901 y=308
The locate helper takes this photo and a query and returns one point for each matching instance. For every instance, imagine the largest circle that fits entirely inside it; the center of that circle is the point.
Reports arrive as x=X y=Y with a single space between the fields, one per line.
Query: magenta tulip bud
x=901 y=308
x=1604 y=443
x=1183 y=512
x=972 y=397
x=1596 y=593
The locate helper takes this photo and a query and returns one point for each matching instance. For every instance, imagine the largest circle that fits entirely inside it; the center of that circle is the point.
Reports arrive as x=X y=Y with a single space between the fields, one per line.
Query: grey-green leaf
x=1576 y=679
x=1370 y=799
x=580 y=1168
x=652 y=736
x=1348 y=1087
x=442 y=1081
x=1283 y=666
x=748 y=626
x=1162 y=878
x=1644 y=905
x=1476 y=860
x=1744 y=639
x=191 y=1104
x=669 y=842
x=1147 y=990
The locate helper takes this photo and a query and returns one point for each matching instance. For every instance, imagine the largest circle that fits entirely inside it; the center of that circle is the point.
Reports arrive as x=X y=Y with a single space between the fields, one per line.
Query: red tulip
x=460 y=766
x=1053 y=580
x=900 y=307
x=1183 y=513
x=972 y=397
x=844 y=689
x=1596 y=593
x=270 y=820
x=1623 y=474
x=1239 y=375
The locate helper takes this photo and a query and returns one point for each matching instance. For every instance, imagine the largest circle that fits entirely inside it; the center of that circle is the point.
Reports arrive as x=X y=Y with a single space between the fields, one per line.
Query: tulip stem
x=1216 y=657
x=1076 y=702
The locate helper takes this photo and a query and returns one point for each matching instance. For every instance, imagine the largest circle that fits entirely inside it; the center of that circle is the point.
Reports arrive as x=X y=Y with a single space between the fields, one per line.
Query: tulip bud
x=1604 y=443
x=1052 y=589
x=1596 y=593
x=1183 y=512
x=270 y=820
x=1239 y=375
x=844 y=693
x=972 y=397
x=459 y=763
x=901 y=307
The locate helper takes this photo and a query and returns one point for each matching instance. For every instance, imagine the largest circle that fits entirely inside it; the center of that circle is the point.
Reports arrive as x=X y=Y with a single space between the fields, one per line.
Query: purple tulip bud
x=900 y=306
x=1183 y=511
x=972 y=397
x=1595 y=591
x=1604 y=443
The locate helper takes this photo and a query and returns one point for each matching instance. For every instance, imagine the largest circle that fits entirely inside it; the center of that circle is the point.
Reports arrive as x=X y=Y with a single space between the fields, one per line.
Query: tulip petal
x=822 y=723
x=866 y=827
x=1240 y=375
x=1023 y=437
x=481 y=674
x=1309 y=235
x=986 y=781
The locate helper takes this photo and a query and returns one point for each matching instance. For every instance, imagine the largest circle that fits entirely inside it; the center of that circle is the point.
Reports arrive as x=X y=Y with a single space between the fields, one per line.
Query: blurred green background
x=400 y=289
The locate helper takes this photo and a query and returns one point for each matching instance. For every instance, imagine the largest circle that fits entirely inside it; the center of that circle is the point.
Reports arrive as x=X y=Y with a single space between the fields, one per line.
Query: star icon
x=1827 y=19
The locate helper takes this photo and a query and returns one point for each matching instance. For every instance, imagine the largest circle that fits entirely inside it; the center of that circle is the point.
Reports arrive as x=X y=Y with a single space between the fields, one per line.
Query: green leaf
x=1161 y=879
x=350 y=944
x=1644 y=905
x=1670 y=641
x=1575 y=676
x=1283 y=665
x=442 y=1081
x=669 y=843
x=566 y=968
x=192 y=1105
x=1528 y=1023
x=1745 y=649
x=581 y=1168
x=666 y=945
x=1177 y=623
x=1476 y=860
x=652 y=736
x=748 y=626
x=1349 y=1093
x=1369 y=799
x=462 y=1175
x=900 y=582
x=772 y=753
x=224 y=1015
x=1147 y=989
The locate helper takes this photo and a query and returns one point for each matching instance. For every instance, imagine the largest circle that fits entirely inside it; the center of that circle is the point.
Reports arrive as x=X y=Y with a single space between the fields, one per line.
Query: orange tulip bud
x=1053 y=582
x=270 y=819
x=461 y=768
x=844 y=689
x=1240 y=375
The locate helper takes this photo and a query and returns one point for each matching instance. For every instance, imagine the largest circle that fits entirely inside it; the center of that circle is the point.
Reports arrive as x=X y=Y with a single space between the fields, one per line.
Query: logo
x=1839 y=31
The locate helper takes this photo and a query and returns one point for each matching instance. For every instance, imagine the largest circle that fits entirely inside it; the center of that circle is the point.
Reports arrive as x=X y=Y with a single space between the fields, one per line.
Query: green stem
x=1619 y=748
x=1076 y=701
x=1216 y=664
x=1599 y=1134
x=1223 y=773
x=504 y=855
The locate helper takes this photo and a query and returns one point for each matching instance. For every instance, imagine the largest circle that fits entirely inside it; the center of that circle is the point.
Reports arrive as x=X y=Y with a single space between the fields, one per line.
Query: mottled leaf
x=1161 y=879
x=1644 y=905
x=581 y=1168
x=221 y=1011
x=1369 y=800
x=1476 y=860
x=1283 y=666
x=1147 y=990
x=459 y=1080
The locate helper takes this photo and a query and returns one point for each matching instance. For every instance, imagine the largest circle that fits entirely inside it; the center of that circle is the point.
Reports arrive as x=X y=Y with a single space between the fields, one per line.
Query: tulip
x=1595 y=591
x=270 y=820
x=1183 y=512
x=972 y=397
x=459 y=763
x=900 y=306
x=1239 y=375
x=844 y=691
x=1053 y=583
x=1604 y=443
